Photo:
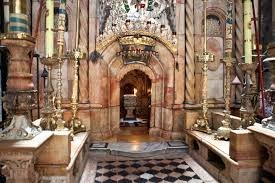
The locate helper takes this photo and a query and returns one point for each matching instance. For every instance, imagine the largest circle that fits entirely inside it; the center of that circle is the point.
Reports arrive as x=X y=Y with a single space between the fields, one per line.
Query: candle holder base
x=48 y=122
x=247 y=118
x=77 y=126
x=202 y=126
x=20 y=128
x=60 y=123
x=223 y=131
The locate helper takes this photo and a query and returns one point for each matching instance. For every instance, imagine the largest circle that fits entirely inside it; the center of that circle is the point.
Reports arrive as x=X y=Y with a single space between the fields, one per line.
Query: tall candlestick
x=202 y=122
x=61 y=27
x=247 y=32
x=77 y=125
x=223 y=131
x=49 y=36
x=60 y=42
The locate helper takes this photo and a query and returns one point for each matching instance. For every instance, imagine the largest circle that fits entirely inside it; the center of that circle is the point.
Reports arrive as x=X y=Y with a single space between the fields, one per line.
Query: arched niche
x=105 y=91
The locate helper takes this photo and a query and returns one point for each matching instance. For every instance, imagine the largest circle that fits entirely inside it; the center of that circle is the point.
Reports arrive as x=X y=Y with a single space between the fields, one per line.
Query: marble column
x=190 y=53
x=83 y=45
x=238 y=44
x=180 y=68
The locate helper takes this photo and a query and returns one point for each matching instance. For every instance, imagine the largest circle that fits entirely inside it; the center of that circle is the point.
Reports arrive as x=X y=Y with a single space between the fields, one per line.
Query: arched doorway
x=135 y=101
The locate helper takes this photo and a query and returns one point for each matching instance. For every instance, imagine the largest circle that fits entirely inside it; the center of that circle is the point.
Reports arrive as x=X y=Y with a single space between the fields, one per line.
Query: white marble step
x=142 y=149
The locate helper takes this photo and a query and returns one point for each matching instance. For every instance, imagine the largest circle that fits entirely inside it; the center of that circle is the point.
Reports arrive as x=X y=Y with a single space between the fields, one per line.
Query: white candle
x=49 y=36
x=247 y=32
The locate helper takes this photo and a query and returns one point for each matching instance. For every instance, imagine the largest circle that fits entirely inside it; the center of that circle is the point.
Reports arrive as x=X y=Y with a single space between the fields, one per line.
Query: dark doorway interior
x=4 y=57
x=139 y=84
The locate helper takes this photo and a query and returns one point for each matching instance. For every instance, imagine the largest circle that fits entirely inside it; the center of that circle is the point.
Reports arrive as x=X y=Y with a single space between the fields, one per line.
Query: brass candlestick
x=202 y=123
x=270 y=121
x=223 y=132
x=48 y=122
x=77 y=125
x=60 y=123
x=249 y=95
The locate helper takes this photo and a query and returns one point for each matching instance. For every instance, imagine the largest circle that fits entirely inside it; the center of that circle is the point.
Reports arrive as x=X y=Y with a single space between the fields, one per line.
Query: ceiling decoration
x=120 y=16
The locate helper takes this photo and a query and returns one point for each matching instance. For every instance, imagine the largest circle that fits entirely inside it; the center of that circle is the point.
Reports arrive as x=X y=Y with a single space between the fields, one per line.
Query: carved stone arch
x=103 y=45
x=128 y=68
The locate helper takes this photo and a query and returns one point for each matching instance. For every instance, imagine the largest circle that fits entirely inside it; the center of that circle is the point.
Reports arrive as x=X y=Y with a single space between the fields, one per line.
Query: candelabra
x=60 y=123
x=76 y=123
x=270 y=121
x=202 y=123
x=223 y=132
x=48 y=112
x=249 y=95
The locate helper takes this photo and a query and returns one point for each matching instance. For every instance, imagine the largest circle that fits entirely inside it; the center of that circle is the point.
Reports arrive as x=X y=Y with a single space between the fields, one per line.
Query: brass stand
x=249 y=96
x=76 y=123
x=202 y=123
x=270 y=121
x=60 y=123
x=48 y=122
x=223 y=132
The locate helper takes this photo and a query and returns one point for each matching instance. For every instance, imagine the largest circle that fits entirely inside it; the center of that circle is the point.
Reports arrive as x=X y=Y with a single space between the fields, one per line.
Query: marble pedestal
x=266 y=138
x=214 y=155
x=130 y=102
x=19 y=157
x=130 y=112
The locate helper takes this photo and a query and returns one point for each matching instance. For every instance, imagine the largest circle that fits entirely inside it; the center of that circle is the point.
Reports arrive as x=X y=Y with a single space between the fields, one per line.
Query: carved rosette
x=190 y=58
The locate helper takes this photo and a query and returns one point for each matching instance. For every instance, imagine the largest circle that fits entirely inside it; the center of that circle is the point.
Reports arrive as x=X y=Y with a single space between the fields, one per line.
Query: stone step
x=139 y=150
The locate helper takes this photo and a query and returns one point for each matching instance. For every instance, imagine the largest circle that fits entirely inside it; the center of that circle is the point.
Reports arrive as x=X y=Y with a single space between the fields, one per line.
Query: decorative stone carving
x=19 y=166
x=266 y=138
x=214 y=28
x=136 y=15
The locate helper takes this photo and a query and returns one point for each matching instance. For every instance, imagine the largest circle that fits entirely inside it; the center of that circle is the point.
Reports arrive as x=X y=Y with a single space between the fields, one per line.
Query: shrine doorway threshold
x=134 y=135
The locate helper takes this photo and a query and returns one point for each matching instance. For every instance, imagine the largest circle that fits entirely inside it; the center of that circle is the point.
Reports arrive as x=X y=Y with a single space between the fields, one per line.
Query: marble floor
x=171 y=167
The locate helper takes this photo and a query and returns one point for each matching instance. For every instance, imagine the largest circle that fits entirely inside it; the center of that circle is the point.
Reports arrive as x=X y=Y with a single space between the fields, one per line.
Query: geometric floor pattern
x=143 y=171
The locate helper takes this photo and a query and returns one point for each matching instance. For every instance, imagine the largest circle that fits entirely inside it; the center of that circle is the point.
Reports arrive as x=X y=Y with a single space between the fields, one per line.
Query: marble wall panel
x=168 y=119
x=115 y=118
